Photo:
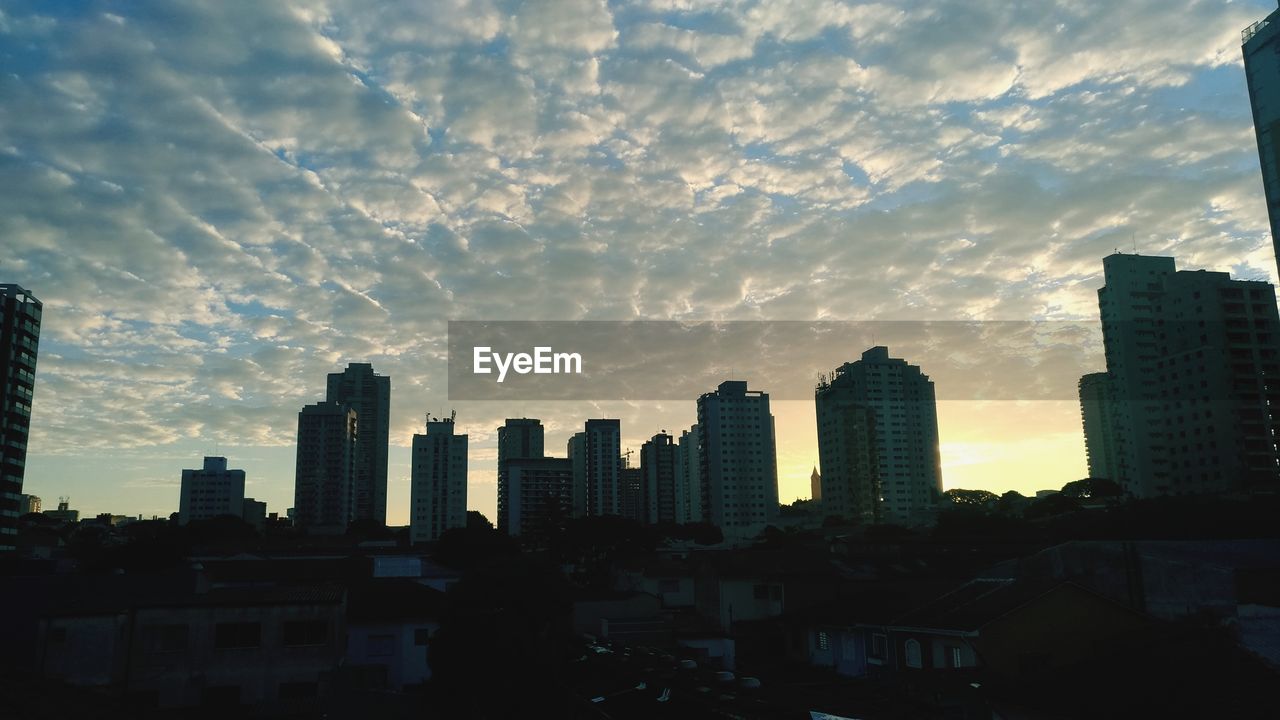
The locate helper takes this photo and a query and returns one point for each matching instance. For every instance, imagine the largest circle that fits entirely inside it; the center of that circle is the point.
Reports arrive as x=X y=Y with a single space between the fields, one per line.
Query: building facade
x=658 y=471
x=369 y=394
x=539 y=495
x=438 y=482
x=878 y=441
x=518 y=438
x=211 y=491
x=1260 y=45
x=1099 y=432
x=689 y=477
x=737 y=457
x=324 y=475
x=1192 y=356
x=20 y=314
x=603 y=465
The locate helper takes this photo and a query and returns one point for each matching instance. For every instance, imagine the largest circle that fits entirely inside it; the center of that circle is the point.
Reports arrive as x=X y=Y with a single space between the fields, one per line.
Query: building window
x=237 y=635
x=824 y=641
x=956 y=659
x=913 y=655
x=305 y=632
x=879 y=644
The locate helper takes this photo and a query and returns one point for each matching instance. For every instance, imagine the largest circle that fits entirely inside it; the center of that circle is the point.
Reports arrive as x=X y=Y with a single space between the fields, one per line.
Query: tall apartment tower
x=518 y=438
x=1129 y=305
x=19 y=339
x=539 y=495
x=576 y=451
x=1260 y=45
x=658 y=470
x=211 y=491
x=1194 y=359
x=1096 y=403
x=878 y=440
x=603 y=446
x=688 y=477
x=438 y=482
x=739 y=468
x=324 y=480
x=369 y=395
x=631 y=501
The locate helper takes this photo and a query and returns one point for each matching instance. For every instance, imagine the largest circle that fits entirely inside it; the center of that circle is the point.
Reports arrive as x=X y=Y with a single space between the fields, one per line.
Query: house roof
x=393 y=599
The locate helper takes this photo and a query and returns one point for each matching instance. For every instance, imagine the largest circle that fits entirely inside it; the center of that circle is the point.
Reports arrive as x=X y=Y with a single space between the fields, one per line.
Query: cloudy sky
x=220 y=202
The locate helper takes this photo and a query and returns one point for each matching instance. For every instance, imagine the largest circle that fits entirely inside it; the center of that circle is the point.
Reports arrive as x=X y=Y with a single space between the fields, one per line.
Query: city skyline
x=204 y=258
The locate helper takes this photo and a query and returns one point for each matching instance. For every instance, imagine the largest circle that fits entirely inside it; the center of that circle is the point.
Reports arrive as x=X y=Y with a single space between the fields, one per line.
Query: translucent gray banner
x=646 y=360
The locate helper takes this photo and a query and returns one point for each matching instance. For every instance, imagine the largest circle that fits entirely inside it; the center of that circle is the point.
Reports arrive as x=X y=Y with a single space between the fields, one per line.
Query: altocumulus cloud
x=219 y=201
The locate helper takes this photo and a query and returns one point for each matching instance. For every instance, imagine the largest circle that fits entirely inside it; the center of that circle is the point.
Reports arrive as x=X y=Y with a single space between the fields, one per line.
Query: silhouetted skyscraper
x=689 y=477
x=438 y=482
x=815 y=485
x=658 y=469
x=878 y=437
x=518 y=438
x=1194 y=359
x=369 y=395
x=603 y=465
x=324 y=480
x=211 y=491
x=576 y=450
x=1096 y=405
x=1260 y=45
x=20 y=315
x=739 y=468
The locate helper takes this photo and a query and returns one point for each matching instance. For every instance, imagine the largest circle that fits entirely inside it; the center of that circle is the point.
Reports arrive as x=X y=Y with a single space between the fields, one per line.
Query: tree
x=477 y=521
x=1056 y=504
x=978 y=498
x=1092 y=488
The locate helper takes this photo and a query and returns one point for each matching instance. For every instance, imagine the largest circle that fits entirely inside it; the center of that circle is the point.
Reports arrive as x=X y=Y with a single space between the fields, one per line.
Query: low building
x=171 y=644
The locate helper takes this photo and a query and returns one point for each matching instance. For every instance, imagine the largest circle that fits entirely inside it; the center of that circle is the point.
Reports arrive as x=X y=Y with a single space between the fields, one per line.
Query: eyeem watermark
x=543 y=361
x=659 y=360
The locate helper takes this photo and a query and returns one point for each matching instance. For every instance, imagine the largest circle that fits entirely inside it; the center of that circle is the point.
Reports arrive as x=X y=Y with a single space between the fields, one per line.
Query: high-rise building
x=631 y=503
x=815 y=485
x=658 y=468
x=1193 y=359
x=211 y=491
x=689 y=477
x=438 y=482
x=1260 y=44
x=324 y=479
x=878 y=441
x=369 y=394
x=576 y=451
x=738 y=460
x=19 y=340
x=539 y=495
x=603 y=447
x=518 y=438
x=1129 y=305
x=1096 y=403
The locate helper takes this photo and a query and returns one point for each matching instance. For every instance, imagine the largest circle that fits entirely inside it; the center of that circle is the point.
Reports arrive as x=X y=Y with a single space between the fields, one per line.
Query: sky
x=221 y=202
